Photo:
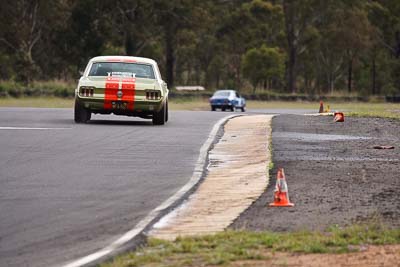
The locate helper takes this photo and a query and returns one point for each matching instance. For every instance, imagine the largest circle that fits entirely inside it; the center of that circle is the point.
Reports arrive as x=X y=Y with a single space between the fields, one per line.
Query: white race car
x=122 y=85
x=227 y=99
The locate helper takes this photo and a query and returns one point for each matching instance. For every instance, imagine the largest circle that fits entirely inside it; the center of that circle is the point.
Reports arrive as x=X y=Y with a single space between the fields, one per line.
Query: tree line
x=292 y=46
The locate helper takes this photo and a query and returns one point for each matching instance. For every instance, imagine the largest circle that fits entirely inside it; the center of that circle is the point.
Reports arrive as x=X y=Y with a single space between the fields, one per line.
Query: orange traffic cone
x=281 y=193
x=321 y=107
x=338 y=117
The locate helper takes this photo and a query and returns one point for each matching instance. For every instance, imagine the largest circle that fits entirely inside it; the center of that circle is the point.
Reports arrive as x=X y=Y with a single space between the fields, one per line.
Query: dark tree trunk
x=238 y=78
x=397 y=48
x=129 y=46
x=206 y=79
x=217 y=80
x=374 y=76
x=289 y=13
x=350 y=76
x=198 y=74
x=306 y=82
x=170 y=57
x=292 y=76
x=189 y=75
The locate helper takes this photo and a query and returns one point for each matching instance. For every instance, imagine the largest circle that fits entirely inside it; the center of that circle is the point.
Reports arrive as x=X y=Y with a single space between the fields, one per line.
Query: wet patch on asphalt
x=314 y=137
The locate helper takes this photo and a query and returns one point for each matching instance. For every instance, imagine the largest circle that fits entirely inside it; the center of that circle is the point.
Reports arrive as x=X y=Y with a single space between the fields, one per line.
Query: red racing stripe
x=112 y=59
x=129 y=60
x=110 y=91
x=128 y=90
x=125 y=60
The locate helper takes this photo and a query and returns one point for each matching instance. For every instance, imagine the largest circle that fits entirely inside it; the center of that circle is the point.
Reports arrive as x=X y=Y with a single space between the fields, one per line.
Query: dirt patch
x=374 y=256
x=334 y=174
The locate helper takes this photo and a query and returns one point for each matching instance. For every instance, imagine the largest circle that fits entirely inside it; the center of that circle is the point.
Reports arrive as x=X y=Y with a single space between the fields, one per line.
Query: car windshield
x=122 y=69
x=222 y=93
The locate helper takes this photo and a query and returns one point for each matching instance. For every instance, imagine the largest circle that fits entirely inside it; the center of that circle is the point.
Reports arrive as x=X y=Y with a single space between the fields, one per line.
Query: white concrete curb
x=236 y=177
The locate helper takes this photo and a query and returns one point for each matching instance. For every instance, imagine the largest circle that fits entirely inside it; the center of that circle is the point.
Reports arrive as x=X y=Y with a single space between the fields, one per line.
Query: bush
x=37 y=89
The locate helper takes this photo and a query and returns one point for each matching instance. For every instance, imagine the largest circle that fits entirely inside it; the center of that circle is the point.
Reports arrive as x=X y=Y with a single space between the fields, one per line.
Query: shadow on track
x=120 y=122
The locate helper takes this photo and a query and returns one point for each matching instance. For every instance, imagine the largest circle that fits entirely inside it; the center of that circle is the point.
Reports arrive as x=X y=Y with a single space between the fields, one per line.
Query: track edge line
x=156 y=214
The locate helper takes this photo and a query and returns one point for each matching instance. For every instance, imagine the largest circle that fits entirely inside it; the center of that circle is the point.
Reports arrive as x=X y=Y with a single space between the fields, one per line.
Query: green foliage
x=263 y=64
x=309 y=46
x=37 y=89
x=231 y=246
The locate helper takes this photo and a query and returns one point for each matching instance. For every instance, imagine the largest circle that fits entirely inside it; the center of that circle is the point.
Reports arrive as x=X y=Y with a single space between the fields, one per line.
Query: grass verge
x=360 y=109
x=386 y=110
x=231 y=246
x=37 y=102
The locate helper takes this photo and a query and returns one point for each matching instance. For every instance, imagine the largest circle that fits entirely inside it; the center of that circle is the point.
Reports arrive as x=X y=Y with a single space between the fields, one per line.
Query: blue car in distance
x=227 y=99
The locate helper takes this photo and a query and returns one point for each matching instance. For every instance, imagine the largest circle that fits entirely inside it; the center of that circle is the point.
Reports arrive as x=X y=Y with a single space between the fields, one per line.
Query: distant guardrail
x=190 y=88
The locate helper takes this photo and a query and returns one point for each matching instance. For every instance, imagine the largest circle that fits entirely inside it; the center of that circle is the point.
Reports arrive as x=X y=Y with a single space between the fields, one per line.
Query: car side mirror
x=81 y=72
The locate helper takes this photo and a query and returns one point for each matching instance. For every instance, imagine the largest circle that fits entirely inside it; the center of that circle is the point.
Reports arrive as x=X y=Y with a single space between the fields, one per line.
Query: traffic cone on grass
x=281 y=193
x=321 y=107
x=338 y=117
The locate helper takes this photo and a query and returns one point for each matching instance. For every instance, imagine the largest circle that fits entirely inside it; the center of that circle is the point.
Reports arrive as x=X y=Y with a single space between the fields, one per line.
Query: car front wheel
x=81 y=115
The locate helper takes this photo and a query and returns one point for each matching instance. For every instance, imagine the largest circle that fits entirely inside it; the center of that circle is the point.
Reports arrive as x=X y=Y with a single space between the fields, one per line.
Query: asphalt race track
x=67 y=190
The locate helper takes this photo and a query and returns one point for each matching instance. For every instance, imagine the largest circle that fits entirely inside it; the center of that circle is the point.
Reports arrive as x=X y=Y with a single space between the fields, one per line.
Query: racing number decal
x=112 y=88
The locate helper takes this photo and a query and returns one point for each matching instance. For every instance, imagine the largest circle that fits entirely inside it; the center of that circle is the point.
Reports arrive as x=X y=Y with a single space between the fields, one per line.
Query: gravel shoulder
x=334 y=175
